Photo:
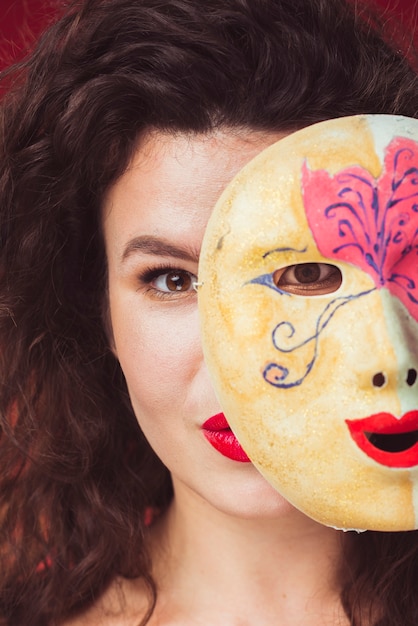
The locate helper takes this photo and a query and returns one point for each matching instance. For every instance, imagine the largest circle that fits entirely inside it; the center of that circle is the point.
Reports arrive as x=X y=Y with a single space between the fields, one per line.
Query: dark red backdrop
x=22 y=20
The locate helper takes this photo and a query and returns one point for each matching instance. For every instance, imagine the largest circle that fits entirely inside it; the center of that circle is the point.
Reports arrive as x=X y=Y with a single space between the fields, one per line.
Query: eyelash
x=149 y=274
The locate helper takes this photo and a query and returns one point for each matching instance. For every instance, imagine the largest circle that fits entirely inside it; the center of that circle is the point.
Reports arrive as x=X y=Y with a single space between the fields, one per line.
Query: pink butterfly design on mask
x=371 y=223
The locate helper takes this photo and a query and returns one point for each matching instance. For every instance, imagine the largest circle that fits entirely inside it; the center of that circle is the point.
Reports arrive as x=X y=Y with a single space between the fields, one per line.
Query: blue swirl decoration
x=277 y=374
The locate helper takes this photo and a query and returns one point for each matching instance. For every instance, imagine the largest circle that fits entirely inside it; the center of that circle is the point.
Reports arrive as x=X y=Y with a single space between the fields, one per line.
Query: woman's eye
x=174 y=280
x=308 y=279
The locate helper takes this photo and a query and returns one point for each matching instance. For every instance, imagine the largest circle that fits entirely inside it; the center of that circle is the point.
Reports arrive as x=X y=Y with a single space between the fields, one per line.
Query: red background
x=21 y=21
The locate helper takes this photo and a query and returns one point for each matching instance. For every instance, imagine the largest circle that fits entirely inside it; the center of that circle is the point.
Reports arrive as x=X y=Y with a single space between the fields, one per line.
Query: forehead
x=190 y=160
x=174 y=180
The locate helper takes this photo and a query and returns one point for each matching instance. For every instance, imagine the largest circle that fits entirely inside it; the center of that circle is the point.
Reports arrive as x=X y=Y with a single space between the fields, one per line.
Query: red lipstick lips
x=217 y=431
x=388 y=440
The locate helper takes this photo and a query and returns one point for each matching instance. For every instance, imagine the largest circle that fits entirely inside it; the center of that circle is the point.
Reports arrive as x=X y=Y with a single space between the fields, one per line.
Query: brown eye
x=176 y=280
x=307 y=273
x=308 y=279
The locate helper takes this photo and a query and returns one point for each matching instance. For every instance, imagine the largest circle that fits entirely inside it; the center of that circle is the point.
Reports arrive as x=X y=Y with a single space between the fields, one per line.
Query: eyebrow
x=266 y=254
x=156 y=246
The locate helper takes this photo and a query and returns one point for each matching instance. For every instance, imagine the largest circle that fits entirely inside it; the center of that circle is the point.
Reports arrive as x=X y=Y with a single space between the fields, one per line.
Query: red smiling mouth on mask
x=389 y=440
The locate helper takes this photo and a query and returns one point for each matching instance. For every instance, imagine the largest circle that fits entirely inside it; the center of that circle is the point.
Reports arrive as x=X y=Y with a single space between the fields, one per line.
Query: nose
x=402 y=330
x=380 y=379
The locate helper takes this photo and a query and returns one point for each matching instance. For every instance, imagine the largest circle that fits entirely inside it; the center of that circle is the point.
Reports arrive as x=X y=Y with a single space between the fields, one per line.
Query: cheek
x=157 y=347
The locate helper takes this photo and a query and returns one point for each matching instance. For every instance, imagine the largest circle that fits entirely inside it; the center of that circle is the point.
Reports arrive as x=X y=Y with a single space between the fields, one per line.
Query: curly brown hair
x=77 y=475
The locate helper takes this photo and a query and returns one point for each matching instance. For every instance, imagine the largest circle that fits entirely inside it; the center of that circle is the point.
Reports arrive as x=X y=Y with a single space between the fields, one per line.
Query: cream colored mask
x=309 y=307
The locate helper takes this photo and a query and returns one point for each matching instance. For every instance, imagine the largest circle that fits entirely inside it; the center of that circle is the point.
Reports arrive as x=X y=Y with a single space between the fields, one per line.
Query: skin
x=156 y=333
x=227 y=535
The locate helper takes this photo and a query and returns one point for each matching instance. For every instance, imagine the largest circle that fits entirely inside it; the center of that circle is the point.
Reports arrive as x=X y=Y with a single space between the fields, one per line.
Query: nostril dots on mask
x=411 y=377
x=379 y=380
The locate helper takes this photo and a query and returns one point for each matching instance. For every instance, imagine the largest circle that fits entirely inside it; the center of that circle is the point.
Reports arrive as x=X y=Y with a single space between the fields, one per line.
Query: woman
x=116 y=139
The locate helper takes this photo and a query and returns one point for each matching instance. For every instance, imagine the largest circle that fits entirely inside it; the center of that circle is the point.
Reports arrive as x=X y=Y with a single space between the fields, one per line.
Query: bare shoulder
x=124 y=604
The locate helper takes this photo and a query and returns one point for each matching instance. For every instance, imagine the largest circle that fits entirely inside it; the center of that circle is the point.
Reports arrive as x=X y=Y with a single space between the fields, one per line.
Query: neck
x=233 y=570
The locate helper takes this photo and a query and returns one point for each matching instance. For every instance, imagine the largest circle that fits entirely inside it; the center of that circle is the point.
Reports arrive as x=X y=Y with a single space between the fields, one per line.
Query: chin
x=244 y=494
x=258 y=501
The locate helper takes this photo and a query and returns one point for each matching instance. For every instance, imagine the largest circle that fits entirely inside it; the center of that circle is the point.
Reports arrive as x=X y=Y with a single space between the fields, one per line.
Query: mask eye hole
x=308 y=279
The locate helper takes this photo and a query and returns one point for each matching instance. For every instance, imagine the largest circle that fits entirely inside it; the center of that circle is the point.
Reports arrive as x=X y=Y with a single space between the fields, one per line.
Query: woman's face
x=154 y=219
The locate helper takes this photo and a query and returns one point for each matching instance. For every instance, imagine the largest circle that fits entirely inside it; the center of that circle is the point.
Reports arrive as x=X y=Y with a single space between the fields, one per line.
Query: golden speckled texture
x=297 y=437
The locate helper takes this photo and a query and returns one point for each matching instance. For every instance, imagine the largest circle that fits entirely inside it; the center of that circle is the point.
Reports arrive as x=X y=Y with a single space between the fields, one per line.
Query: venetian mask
x=309 y=306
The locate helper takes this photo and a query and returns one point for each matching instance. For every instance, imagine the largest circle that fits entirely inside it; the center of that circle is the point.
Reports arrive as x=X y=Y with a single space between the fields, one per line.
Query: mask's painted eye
x=176 y=280
x=308 y=279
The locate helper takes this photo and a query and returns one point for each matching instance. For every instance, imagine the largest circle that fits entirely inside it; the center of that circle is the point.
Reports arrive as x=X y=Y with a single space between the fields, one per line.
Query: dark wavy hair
x=77 y=476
